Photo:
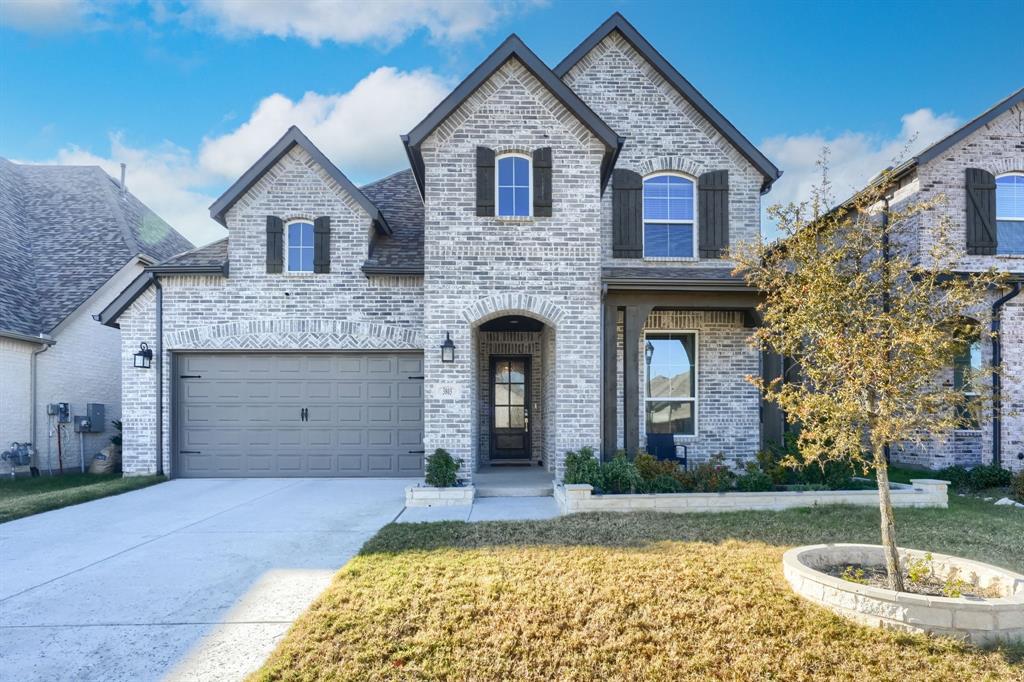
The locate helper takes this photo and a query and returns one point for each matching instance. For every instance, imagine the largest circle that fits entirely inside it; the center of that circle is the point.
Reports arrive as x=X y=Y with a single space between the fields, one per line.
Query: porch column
x=636 y=317
x=609 y=396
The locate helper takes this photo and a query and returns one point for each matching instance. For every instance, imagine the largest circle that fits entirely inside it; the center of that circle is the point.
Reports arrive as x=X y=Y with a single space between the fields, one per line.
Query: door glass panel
x=501 y=394
x=517 y=372
x=501 y=373
x=517 y=418
x=501 y=418
x=517 y=394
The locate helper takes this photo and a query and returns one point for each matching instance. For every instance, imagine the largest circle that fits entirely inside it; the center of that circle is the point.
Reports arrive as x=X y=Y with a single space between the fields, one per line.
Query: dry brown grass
x=625 y=597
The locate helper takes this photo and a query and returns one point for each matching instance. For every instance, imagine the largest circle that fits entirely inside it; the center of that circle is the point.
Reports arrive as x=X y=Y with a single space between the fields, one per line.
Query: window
x=967 y=368
x=668 y=217
x=671 y=382
x=1010 y=213
x=513 y=186
x=300 y=247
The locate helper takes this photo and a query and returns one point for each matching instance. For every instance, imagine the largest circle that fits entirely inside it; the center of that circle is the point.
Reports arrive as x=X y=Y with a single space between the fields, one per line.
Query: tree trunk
x=892 y=557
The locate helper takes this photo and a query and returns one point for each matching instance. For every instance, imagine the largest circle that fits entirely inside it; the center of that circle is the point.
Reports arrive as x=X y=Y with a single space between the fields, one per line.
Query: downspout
x=33 y=407
x=159 y=375
x=997 y=382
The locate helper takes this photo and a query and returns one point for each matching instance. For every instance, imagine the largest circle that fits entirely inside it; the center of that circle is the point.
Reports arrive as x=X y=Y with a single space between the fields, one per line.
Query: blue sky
x=189 y=94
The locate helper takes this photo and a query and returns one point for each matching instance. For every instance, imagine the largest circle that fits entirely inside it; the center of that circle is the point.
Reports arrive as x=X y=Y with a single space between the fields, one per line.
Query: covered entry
x=298 y=414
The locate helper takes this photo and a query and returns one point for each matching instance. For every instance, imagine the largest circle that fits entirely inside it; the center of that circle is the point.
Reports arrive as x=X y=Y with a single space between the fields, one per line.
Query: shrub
x=620 y=476
x=662 y=483
x=650 y=467
x=1017 y=487
x=582 y=467
x=753 y=480
x=442 y=469
x=957 y=476
x=989 y=476
x=712 y=476
x=786 y=466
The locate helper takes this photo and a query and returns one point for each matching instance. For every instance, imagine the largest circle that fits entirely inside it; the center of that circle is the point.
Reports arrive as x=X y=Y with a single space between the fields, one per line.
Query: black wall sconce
x=143 y=357
x=448 y=348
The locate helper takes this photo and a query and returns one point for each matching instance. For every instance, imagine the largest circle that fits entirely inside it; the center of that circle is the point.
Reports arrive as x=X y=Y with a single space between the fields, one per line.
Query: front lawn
x=641 y=596
x=26 y=496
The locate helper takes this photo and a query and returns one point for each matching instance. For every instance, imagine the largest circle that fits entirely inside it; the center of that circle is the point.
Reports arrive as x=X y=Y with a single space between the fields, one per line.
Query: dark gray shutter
x=981 y=213
x=713 y=213
x=542 y=182
x=275 y=244
x=322 y=244
x=484 y=181
x=627 y=214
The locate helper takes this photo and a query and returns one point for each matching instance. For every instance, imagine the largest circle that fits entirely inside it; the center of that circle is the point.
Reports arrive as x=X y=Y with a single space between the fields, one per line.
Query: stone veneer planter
x=979 y=621
x=575 y=498
x=421 y=495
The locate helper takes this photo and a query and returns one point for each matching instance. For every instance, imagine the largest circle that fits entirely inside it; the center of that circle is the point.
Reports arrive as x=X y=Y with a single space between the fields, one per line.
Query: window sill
x=1010 y=256
x=671 y=259
x=514 y=218
x=967 y=432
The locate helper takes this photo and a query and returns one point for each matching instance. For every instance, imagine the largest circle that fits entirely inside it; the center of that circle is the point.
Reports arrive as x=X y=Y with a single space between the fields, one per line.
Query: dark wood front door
x=510 y=411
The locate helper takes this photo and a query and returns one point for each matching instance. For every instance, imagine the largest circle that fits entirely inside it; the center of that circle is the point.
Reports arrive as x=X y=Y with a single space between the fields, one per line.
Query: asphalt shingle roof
x=64 y=231
x=696 y=273
x=399 y=200
x=211 y=255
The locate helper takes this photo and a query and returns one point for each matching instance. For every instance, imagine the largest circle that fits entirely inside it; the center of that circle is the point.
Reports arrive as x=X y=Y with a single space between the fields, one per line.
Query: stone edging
x=976 y=620
x=575 y=498
x=429 y=496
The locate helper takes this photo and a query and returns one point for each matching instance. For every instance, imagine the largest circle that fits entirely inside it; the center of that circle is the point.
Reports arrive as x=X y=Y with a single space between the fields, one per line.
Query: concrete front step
x=515 y=491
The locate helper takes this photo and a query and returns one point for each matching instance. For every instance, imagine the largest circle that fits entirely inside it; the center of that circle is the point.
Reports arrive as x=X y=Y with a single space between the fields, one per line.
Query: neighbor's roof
x=292 y=137
x=65 y=231
x=513 y=47
x=617 y=22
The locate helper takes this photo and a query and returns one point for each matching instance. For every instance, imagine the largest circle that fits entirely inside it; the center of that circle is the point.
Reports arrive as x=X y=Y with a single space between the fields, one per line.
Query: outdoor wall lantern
x=649 y=352
x=143 y=357
x=448 y=348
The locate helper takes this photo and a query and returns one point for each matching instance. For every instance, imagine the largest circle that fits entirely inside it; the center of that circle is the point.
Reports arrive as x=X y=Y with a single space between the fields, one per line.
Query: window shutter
x=981 y=213
x=322 y=244
x=542 y=182
x=484 y=181
x=713 y=213
x=627 y=214
x=275 y=244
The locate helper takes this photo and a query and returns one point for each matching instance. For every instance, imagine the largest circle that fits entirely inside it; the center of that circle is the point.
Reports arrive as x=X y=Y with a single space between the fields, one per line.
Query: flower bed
x=575 y=498
x=976 y=619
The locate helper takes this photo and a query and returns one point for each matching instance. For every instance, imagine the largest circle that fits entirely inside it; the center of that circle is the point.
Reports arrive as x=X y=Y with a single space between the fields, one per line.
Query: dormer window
x=299 y=246
x=668 y=216
x=1010 y=213
x=513 y=193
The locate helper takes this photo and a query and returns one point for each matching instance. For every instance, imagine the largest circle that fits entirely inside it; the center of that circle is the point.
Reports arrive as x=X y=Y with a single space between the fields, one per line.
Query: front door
x=510 y=412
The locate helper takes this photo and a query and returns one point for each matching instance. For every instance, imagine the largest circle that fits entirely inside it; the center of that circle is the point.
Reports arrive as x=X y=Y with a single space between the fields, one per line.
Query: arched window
x=299 y=246
x=514 y=186
x=669 y=210
x=1010 y=213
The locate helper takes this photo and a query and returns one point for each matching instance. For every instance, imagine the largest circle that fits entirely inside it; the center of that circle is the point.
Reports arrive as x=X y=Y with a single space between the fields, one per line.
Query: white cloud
x=165 y=178
x=358 y=130
x=386 y=22
x=854 y=157
x=38 y=16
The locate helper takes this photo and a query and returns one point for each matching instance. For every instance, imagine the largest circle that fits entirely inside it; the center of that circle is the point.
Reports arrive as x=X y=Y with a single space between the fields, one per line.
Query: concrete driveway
x=191 y=579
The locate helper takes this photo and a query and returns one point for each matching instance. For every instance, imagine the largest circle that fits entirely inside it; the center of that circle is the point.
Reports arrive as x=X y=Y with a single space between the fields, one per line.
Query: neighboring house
x=548 y=274
x=979 y=171
x=71 y=239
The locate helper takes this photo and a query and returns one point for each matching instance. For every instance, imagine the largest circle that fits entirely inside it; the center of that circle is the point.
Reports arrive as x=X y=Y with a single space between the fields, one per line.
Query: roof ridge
x=113 y=203
x=193 y=250
x=997 y=109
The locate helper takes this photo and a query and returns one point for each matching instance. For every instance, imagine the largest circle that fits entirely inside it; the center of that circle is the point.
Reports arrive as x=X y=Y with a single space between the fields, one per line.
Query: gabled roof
x=293 y=137
x=617 y=22
x=64 y=232
x=512 y=47
x=982 y=120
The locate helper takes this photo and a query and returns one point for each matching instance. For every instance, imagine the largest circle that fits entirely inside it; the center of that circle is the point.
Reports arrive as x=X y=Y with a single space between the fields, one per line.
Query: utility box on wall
x=96 y=414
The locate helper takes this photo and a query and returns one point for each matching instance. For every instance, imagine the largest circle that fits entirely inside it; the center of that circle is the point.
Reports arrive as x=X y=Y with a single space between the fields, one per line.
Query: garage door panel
x=240 y=414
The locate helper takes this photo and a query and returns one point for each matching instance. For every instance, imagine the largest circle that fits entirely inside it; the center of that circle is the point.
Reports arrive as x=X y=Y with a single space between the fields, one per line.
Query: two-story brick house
x=550 y=273
x=978 y=171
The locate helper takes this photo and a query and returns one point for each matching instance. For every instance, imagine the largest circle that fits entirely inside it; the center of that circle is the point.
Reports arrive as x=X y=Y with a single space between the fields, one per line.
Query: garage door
x=291 y=414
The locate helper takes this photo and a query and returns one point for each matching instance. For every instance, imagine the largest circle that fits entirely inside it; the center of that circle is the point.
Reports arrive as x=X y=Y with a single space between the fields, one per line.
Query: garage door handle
x=417 y=452
x=415 y=377
x=191 y=376
x=190 y=452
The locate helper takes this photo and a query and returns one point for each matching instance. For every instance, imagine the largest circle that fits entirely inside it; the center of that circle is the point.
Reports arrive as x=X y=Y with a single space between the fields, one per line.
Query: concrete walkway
x=486 y=509
x=193 y=580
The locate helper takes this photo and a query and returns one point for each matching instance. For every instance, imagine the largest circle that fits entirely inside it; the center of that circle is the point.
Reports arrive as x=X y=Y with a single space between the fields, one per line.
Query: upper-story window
x=299 y=246
x=668 y=216
x=513 y=186
x=1010 y=213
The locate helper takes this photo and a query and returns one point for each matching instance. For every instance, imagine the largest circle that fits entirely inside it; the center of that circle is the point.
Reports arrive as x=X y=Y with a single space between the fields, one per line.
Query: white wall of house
x=15 y=391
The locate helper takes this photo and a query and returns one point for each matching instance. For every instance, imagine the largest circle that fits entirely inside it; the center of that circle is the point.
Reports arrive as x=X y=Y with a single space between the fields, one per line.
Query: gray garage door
x=291 y=414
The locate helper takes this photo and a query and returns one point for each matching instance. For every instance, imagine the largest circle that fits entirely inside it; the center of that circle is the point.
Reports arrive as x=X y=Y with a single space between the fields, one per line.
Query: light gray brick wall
x=728 y=406
x=480 y=268
x=663 y=132
x=251 y=310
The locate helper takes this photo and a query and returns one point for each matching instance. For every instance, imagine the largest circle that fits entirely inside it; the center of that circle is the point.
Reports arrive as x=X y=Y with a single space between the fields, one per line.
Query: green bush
x=712 y=476
x=442 y=469
x=958 y=477
x=1017 y=487
x=978 y=478
x=620 y=476
x=662 y=483
x=786 y=466
x=650 y=467
x=582 y=467
x=753 y=480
